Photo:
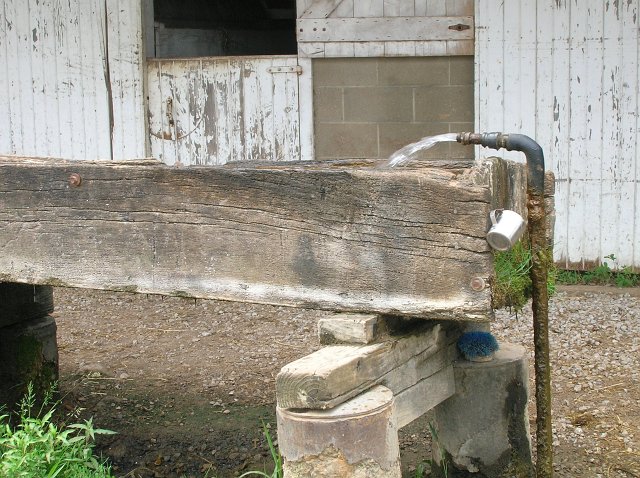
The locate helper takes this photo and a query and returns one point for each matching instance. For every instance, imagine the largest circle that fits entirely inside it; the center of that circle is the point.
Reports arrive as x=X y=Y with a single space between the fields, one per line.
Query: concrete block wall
x=370 y=107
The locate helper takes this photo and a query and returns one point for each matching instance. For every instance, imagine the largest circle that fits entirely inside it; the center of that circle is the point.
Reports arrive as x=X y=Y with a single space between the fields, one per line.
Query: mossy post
x=28 y=348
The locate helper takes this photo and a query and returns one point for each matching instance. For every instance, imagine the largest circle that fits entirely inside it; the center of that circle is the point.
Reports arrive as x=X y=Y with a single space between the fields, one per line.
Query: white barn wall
x=567 y=74
x=71 y=82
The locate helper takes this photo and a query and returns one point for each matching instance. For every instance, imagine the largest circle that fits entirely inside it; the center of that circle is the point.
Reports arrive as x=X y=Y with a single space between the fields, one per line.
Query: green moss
x=512 y=282
x=127 y=288
x=55 y=282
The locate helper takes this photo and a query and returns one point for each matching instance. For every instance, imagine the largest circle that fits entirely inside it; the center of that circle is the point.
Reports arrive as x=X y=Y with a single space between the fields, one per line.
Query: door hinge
x=285 y=69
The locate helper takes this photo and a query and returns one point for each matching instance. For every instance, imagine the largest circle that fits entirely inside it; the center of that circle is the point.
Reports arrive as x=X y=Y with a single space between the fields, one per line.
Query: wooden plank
x=398 y=8
x=383 y=29
x=414 y=402
x=334 y=374
x=368 y=8
x=336 y=235
x=349 y=329
x=305 y=110
x=208 y=111
x=320 y=8
x=125 y=54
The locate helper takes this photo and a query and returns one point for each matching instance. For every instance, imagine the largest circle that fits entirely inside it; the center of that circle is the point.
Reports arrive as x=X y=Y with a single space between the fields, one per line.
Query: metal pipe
x=539 y=274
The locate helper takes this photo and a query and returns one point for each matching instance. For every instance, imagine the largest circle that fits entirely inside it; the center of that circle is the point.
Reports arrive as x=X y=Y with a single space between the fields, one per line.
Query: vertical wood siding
x=566 y=73
x=71 y=79
x=209 y=111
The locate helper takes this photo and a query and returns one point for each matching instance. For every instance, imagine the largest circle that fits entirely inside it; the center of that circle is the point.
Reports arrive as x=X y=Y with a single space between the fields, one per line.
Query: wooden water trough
x=344 y=235
x=387 y=246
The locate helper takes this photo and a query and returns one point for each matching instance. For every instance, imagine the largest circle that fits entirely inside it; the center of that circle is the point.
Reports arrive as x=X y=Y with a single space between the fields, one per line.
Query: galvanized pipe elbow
x=513 y=142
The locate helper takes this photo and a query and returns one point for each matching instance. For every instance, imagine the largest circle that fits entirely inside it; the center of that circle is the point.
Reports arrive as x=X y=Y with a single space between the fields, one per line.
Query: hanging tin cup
x=506 y=228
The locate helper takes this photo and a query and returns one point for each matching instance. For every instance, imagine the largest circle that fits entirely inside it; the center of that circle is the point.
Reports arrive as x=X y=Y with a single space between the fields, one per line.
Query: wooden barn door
x=71 y=79
x=208 y=111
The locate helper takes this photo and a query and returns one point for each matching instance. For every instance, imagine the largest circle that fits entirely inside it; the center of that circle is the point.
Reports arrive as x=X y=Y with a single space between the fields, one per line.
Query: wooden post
x=358 y=438
x=340 y=407
x=28 y=349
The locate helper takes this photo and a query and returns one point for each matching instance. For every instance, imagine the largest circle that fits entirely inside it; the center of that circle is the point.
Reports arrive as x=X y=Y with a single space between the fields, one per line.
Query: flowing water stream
x=407 y=153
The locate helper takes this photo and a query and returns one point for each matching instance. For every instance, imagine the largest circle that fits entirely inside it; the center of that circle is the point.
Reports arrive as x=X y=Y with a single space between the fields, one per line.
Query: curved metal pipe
x=513 y=142
x=539 y=274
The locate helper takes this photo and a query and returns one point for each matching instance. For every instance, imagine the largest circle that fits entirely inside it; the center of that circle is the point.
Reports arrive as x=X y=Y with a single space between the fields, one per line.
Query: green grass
x=601 y=275
x=37 y=447
x=512 y=282
x=275 y=456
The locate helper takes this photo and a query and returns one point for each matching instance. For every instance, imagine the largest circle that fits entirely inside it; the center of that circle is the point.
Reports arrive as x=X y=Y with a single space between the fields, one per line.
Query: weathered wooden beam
x=337 y=235
x=385 y=29
x=349 y=328
x=334 y=374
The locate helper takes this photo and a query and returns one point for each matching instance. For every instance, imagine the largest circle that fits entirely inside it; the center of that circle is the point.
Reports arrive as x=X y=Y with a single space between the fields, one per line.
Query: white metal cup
x=506 y=228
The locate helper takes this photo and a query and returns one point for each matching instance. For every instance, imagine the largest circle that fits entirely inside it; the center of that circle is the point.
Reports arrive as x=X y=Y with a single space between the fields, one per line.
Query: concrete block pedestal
x=28 y=347
x=357 y=439
x=483 y=430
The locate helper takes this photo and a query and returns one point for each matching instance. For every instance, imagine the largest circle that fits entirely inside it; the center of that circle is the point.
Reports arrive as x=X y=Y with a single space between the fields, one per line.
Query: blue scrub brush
x=478 y=346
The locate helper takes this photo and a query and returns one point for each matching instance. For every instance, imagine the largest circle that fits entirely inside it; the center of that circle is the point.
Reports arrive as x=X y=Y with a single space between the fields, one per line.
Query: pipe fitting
x=513 y=142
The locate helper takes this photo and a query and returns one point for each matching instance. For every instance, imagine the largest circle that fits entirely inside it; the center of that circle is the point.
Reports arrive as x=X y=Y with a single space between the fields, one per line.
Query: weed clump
x=37 y=447
x=620 y=276
x=512 y=282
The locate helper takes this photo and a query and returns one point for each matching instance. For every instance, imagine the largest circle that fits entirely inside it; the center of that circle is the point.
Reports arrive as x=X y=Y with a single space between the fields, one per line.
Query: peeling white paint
x=65 y=89
x=567 y=74
x=209 y=111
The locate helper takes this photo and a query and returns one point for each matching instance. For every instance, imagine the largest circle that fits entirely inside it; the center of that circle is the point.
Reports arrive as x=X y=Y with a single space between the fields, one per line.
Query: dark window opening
x=192 y=28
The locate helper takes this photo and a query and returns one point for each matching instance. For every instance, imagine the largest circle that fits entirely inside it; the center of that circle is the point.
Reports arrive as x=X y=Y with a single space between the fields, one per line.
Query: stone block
x=422 y=71
x=444 y=104
x=345 y=72
x=378 y=104
x=355 y=140
x=461 y=70
x=328 y=104
x=483 y=430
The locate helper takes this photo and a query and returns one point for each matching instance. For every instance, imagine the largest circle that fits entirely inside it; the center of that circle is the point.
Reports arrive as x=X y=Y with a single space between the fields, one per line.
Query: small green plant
x=275 y=456
x=435 y=441
x=512 y=283
x=37 y=447
x=602 y=275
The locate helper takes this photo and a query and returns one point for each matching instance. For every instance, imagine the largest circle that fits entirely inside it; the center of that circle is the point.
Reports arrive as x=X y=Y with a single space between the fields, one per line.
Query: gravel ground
x=595 y=354
x=186 y=383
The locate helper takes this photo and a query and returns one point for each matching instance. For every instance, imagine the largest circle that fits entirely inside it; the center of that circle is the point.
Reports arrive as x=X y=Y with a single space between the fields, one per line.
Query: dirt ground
x=188 y=383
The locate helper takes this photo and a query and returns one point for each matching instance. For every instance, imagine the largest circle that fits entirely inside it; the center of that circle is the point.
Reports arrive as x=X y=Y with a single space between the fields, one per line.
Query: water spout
x=409 y=151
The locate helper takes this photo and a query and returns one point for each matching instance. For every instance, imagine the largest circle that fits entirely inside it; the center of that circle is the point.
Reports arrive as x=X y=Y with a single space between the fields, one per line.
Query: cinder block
x=327 y=104
x=444 y=104
x=461 y=70
x=394 y=136
x=378 y=104
x=356 y=140
x=421 y=71
x=345 y=72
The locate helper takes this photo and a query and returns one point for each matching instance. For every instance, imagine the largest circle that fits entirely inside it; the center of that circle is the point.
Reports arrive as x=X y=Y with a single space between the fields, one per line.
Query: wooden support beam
x=349 y=328
x=334 y=374
x=340 y=235
x=385 y=29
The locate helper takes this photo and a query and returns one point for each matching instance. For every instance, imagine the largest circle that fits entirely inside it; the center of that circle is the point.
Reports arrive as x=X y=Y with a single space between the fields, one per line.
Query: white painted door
x=71 y=79
x=568 y=74
x=208 y=111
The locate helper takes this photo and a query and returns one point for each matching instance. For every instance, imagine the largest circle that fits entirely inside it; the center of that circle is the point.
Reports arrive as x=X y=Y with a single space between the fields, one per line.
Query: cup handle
x=492 y=216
